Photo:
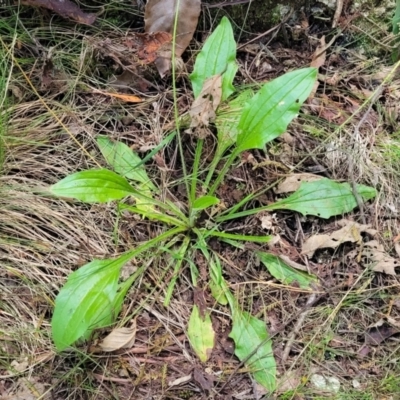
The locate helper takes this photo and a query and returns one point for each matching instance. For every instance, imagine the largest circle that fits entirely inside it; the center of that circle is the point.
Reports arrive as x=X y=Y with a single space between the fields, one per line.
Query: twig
x=338 y=13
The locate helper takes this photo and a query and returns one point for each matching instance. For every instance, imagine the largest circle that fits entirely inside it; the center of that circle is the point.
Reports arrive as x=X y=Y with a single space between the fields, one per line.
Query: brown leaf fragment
x=375 y=253
x=119 y=338
x=152 y=44
x=350 y=232
x=377 y=334
x=160 y=17
x=319 y=57
x=65 y=8
x=203 y=108
x=203 y=379
x=293 y=182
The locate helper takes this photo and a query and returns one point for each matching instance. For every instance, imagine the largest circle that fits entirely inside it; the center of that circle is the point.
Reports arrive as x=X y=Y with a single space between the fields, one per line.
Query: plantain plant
x=93 y=295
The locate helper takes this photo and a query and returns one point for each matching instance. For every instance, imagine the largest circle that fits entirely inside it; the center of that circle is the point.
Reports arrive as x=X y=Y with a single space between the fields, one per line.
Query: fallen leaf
x=293 y=182
x=152 y=44
x=319 y=56
x=379 y=333
x=119 y=338
x=375 y=252
x=350 y=232
x=203 y=379
x=290 y=380
x=180 y=381
x=160 y=17
x=203 y=108
x=65 y=8
x=326 y=383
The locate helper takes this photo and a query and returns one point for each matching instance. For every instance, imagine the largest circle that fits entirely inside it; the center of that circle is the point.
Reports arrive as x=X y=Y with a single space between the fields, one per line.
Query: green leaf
x=250 y=335
x=285 y=273
x=204 y=202
x=93 y=186
x=218 y=56
x=87 y=301
x=201 y=334
x=124 y=161
x=324 y=198
x=217 y=284
x=269 y=112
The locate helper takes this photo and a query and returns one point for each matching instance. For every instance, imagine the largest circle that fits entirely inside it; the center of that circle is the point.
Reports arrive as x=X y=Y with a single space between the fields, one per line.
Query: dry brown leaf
x=203 y=108
x=293 y=182
x=151 y=45
x=65 y=8
x=119 y=338
x=125 y=97
x=381 y=331
x=375 y=252
x=160 y=17
x=350 y=232
x=319 y=56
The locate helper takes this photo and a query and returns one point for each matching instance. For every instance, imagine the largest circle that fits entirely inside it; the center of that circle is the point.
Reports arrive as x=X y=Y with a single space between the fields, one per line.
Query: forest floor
x=340 y=342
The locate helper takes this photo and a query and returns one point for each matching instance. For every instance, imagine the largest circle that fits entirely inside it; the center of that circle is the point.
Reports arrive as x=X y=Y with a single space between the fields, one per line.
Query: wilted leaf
x=218 y=56
x=324 y=198
x=65 y=8
x=93 y=186
x=160 y=17
x=293 y=182
x=201 y=334
x=286 y=274
x=250 y=335
x=119 y=338
x=268 y=113
x=380 y=332
x=203 y=108
x=152 y=45
x=375 y=253
x=350 y=232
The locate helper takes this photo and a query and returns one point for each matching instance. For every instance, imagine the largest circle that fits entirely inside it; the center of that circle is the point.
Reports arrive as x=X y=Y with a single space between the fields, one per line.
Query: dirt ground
x=339 y=342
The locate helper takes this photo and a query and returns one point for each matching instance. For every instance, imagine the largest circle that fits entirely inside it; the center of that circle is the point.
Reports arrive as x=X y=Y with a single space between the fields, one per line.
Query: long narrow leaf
x=124 y=161
x=93 y=186
x=268 y=113
x=86 y=301
x=218 y=56
x=323 y=198
x=251 y=336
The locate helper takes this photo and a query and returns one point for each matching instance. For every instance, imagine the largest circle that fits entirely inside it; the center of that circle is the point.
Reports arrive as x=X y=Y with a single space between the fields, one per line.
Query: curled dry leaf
x=350 y=232
x=151 y=45
x=65 y=8
x=160 y=17
x=375 y=252
x=119 y=338
x=203 y=108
